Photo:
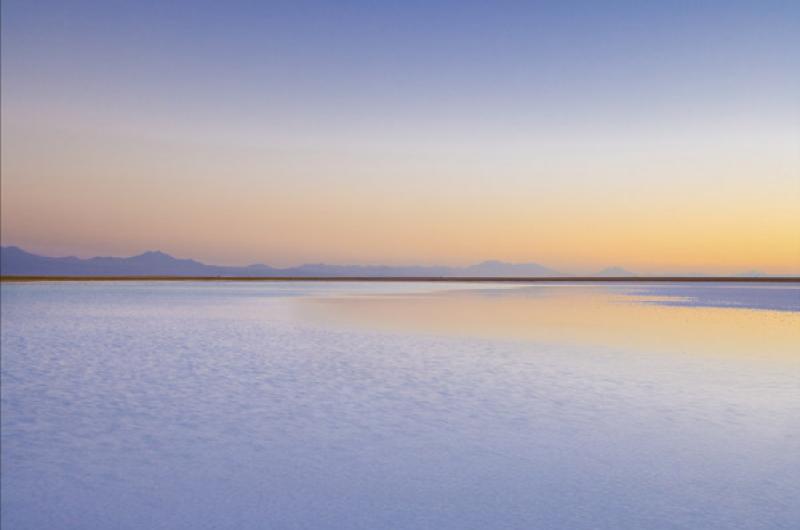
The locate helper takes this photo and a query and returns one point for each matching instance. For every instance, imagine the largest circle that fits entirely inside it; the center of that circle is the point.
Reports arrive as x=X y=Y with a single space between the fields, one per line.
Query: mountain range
x=15 y=261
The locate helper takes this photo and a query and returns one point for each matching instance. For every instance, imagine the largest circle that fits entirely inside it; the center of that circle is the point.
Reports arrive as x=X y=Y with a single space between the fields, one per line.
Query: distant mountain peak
x=12 y=249
x=153 y=254
x=753 y=273
x=502 y=268
x=615 y=271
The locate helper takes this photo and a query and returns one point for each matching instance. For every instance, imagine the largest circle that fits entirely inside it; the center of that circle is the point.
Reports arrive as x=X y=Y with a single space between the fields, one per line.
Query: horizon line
x=446 y=279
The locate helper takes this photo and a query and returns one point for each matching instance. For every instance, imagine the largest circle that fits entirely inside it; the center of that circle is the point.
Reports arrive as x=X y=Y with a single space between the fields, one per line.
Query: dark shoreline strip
x=533 y=279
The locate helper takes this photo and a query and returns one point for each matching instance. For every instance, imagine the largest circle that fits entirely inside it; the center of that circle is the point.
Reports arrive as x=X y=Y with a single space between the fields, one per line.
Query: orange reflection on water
x=575 y=315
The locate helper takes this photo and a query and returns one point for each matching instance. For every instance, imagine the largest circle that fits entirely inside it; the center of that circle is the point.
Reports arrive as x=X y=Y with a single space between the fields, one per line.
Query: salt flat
x=413 y=405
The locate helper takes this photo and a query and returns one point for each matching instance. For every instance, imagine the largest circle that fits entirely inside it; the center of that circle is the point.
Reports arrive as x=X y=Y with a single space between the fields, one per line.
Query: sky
x=657 y=136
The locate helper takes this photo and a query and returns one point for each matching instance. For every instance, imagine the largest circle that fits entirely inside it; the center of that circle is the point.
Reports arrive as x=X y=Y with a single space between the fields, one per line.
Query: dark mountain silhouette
x=501 y=268
x=754 y=273
x=615 y=271
x=17 y=262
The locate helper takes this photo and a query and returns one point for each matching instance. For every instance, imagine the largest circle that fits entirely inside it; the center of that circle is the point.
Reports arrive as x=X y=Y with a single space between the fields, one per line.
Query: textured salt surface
x=224 y=406
x=756 y=296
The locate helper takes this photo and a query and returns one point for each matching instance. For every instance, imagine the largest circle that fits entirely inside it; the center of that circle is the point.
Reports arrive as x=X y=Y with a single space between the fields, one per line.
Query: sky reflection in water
x=753 y=319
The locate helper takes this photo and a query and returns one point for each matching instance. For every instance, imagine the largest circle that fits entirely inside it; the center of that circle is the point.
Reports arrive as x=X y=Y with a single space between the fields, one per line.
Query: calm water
x=300 y=405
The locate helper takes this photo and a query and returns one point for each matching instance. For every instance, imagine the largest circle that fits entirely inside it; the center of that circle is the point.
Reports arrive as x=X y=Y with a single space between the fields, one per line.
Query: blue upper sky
x=595 y=58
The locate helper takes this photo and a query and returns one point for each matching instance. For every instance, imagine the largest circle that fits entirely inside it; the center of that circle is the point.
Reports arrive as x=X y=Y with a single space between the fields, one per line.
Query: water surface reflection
x=757 y=320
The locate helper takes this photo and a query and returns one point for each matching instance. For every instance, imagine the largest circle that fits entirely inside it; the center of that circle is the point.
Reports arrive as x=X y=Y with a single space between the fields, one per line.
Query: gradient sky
x=662 y=137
